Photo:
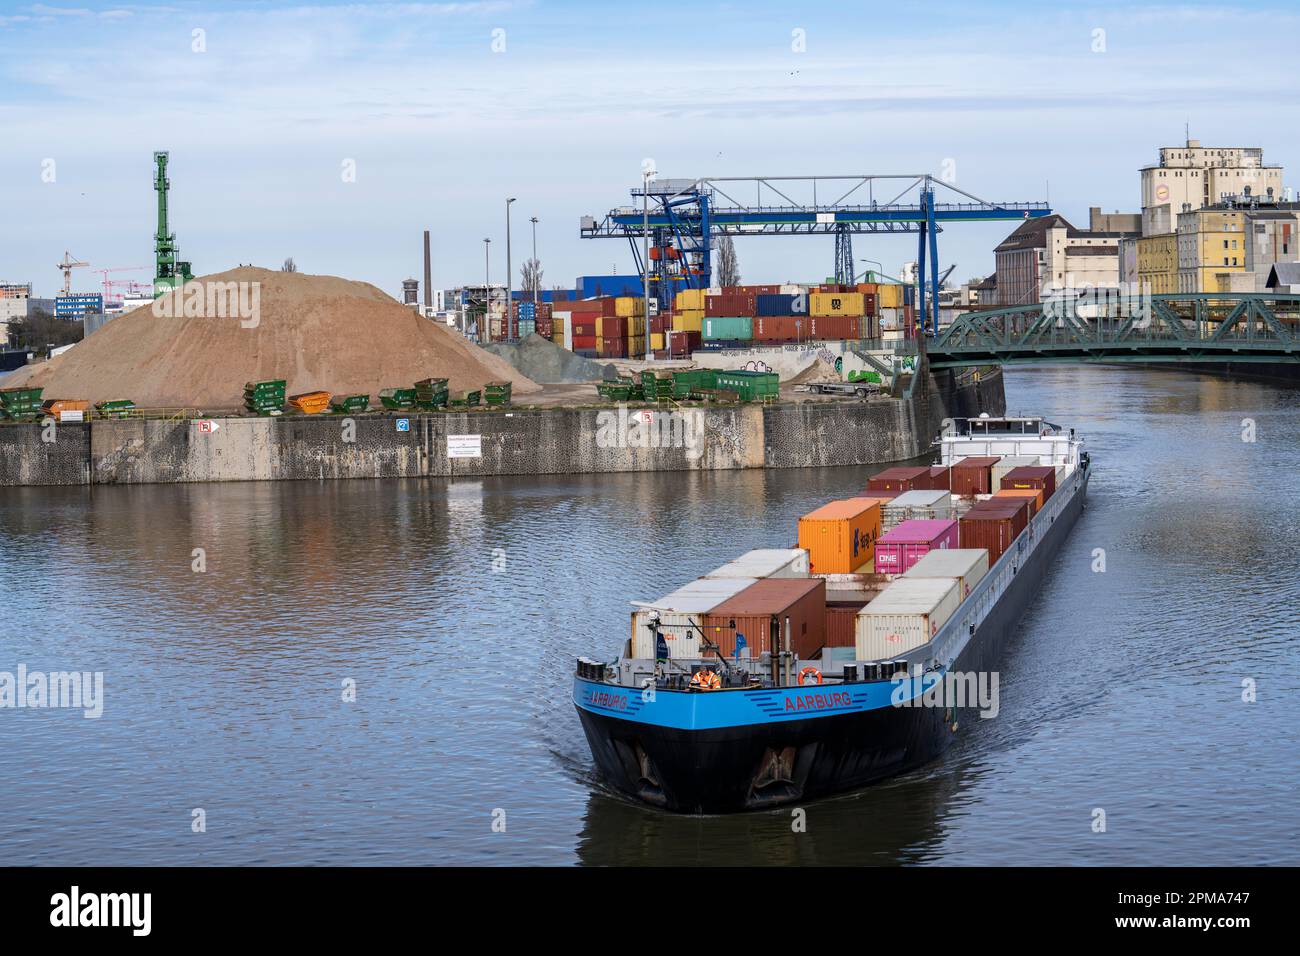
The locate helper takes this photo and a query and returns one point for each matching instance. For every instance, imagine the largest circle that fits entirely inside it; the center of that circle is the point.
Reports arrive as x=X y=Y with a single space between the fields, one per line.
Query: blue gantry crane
x=682 y=217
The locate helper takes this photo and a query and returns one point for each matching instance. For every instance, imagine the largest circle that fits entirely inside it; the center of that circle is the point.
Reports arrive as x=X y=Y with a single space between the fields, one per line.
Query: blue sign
x=403 y=424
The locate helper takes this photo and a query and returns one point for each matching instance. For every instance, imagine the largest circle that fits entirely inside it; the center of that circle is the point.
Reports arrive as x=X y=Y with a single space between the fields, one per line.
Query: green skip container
x=750 y=386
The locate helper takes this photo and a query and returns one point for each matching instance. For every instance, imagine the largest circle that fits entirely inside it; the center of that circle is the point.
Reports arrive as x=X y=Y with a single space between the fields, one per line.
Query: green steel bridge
x=1109 y=328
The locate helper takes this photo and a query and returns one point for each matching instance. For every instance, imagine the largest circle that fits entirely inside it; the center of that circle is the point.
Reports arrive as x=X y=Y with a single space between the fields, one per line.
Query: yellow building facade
x=1211 y=243
x=1157 y=263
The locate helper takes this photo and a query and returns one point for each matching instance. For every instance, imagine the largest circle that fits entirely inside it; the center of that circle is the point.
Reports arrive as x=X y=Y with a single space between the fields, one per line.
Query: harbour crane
x=170 y=271
x=67 y=265
x=682 y=217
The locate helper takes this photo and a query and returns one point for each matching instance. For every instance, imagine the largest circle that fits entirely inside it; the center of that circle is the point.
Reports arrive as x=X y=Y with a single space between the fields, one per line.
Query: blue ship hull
x=736 y=750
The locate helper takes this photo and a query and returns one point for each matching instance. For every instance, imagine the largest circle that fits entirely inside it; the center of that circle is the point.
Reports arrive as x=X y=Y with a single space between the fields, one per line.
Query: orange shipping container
x=1034 y=497
x=840 y=537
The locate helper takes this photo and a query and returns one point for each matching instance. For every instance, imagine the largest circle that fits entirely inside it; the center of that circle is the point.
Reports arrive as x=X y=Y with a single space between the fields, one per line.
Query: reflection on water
x=457 y=609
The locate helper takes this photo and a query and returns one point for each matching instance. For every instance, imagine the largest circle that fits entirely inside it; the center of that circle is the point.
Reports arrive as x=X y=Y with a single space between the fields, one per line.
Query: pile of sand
x=819 y=372
x=317 y=332
x=544 y=361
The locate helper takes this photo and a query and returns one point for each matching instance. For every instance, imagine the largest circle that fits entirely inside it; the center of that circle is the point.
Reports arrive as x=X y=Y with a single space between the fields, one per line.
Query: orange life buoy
x=706 y=680
x=810 y=670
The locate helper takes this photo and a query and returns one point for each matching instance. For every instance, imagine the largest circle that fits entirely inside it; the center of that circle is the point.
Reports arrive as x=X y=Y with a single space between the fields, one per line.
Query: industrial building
x=1051 y=252
x=1195 y=176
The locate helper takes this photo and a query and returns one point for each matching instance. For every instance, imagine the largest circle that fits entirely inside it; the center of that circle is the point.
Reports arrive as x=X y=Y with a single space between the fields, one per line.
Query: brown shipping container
x=755 y=610
x=608 y=306
x=899 y=480
x=736 y=303
x=993 y=530
x=612 y=327
x=940 y=478
x=584 y=329
x=973 y=476
x=841 y=623
x=777 y=328
x=1032 y=476
x=832 y=327
x=682 y=344
x=1033 y=496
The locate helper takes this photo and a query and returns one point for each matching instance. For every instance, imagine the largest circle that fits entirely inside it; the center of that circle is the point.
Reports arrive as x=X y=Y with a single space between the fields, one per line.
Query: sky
x=442 y=110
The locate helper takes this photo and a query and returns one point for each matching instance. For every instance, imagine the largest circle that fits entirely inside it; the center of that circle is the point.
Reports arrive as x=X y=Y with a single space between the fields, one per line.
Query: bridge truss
x=1206 y=327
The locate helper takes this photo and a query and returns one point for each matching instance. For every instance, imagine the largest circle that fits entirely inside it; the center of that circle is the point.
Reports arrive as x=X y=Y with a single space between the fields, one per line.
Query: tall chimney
x=428 y=275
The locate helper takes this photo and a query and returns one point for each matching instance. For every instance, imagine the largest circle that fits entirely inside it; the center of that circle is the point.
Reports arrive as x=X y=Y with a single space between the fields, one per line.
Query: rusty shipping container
x=972 y=476
x=762 y=608
x=840 y=537
x=778 y=328
x=941 y=478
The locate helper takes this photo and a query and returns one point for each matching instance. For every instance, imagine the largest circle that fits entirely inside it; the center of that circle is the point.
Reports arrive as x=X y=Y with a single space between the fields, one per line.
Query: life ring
x=810 y=670
x=706 y=680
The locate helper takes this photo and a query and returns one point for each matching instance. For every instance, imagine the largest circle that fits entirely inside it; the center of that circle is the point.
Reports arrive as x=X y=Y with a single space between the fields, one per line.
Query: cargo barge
x=793 y=674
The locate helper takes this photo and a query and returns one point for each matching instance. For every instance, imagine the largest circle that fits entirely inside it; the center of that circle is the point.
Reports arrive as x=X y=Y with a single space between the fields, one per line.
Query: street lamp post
x=487 y=290
x=509 y=297
x=536 y=283
x=648 y=173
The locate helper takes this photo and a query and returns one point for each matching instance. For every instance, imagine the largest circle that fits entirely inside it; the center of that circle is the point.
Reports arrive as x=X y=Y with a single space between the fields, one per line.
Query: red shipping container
x=608 y=306
x=908 y=542
x=545 y=327
x=1032 y=476
x=940 y=478
x=737 y=303
x=612 y=348
x=775 y=328
x=763 y=607
x=972 y=476
x=898 y=480
x=681 y=344
x=584 y=342
x=659 y=323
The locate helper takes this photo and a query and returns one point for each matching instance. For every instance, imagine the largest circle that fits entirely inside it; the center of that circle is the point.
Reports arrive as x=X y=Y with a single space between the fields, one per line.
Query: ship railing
x=953 y=637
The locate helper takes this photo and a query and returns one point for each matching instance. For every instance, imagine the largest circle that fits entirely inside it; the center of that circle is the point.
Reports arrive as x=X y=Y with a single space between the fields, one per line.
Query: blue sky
x=441 y=127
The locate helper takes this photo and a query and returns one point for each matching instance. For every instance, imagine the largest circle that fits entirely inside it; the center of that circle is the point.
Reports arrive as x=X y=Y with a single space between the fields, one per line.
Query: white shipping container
x=967 y=566
x=1008 y=463
x=766 y=563
x=679 y=616
x=915 y=504
x=907 y=615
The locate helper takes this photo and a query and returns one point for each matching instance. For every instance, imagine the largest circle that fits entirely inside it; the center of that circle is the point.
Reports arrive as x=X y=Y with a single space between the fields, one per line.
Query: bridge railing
x=1186 y=322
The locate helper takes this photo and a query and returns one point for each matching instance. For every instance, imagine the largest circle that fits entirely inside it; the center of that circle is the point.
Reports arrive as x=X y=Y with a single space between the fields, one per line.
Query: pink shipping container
x=910 y=541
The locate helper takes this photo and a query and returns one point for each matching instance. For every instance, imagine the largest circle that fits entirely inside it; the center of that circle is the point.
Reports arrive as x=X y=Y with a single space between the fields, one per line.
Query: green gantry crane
x=170 y=272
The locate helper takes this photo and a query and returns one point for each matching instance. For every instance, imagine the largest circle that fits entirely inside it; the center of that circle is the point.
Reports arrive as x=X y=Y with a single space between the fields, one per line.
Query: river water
x=454 y=611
